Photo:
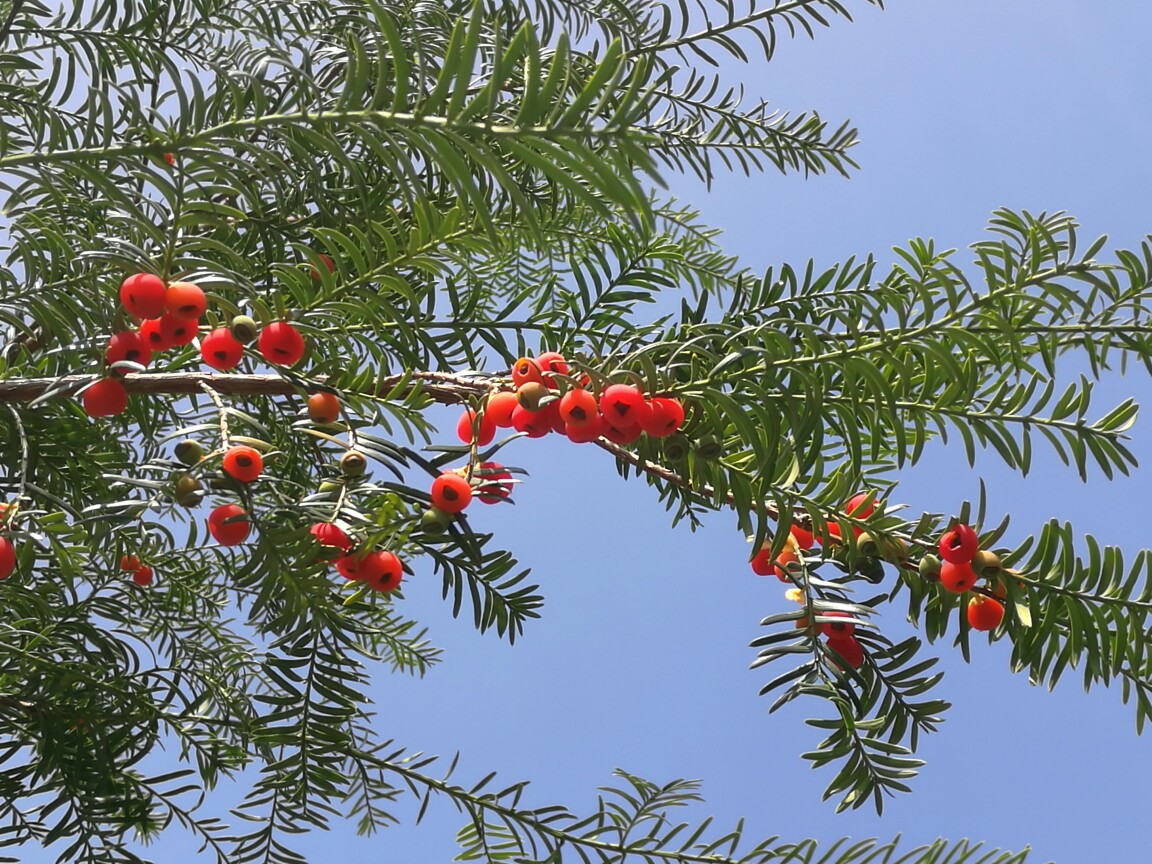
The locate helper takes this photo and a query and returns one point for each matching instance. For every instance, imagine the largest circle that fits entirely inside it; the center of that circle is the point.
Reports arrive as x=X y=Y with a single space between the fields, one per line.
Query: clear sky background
x=641 y=658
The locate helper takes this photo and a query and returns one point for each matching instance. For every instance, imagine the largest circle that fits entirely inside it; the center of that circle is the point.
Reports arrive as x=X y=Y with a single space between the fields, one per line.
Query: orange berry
x=323 y=408
x=762 y=563
x=524 y=370
x=486 y=430
x=229 y=525
x=780 y=566
x=499 y=407
x=243 y=463
x=984 y=613
x=451 y=492
x=185 y=300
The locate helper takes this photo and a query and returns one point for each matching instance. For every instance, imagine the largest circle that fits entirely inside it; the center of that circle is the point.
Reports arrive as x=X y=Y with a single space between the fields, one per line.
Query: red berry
x=169 y=158
x=499 y=407
x=281 y=343
x=551 y=413
x=129 y=562
x=837 y=629
x=142 y=576
x=153 y=335
x=243 y=463
x=848 y=649
x=7 y=557
x=534 y=424
x=622 y=405
x=451 y=492
x=550 y=361
x=780 y=565
x=229 y=524
x=578 y=408
x=220 y=349
x=330 y=535
x=762 y=563
x=185 y=300
x=984 y=613
x=857 y=509
x=804 y=539
x=959 y=545
x=323 y=408
x=382 y=571
x=326 y=261
x=587 y=433
x=177 y=330
x=464 y=427
x=621 y=436
x=491 y=490
x=106 y=398
x=142 y=295
x=957 y=578
x=128 y=346
x=348 y=566
x=664 y=417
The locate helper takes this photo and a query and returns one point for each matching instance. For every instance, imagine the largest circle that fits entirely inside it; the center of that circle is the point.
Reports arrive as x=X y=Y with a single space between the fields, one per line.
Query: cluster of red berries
x=963 y=564
x=763 y=564
x=840 y=635
x=141 y=573
x=379 y=569
x=169 y=316
x=620 y=412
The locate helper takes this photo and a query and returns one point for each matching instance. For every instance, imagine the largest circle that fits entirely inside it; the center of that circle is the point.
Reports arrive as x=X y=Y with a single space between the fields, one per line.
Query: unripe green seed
x=435 y=521
x=871 y=569
x=244 y=328
x=189 y=452
x=532 y=396
x=353 y=464
x=930 y=568
x=676 y=447
x=189 y=491
x=986 y=564
x=709 y=448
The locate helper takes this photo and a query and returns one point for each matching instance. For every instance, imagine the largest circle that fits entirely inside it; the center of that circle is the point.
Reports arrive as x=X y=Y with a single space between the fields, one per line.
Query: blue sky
x=640 y=661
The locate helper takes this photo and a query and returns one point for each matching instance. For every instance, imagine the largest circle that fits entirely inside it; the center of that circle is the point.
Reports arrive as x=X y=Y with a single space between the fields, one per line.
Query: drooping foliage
x=437 y=190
